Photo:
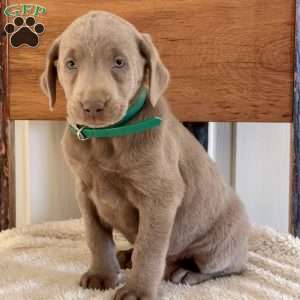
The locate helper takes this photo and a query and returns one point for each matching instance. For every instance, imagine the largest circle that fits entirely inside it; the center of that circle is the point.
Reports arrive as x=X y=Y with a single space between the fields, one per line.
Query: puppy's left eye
x=119 y=63
x=71 y=64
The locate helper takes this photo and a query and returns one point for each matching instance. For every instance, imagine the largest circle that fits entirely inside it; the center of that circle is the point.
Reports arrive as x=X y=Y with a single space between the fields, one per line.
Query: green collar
x=120 y=128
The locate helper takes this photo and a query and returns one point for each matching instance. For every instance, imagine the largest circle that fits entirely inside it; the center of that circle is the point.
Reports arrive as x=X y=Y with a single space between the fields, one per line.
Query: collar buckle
x=79 y=133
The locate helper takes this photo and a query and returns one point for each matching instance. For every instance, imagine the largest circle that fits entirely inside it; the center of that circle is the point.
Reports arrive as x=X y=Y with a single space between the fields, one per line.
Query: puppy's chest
x=109 y=182
x=107 y=187
x=111 y=192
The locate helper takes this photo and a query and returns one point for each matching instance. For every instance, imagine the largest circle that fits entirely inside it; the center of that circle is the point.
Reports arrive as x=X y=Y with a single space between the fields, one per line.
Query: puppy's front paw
x=127 y=293
x=92 y=280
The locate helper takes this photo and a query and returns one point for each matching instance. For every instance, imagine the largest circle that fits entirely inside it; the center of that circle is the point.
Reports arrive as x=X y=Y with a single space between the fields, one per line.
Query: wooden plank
x=295 y=205
x=7 y=218
x=229 y=60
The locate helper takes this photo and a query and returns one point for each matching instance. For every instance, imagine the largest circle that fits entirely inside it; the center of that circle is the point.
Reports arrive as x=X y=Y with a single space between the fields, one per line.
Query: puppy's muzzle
x=93 y=108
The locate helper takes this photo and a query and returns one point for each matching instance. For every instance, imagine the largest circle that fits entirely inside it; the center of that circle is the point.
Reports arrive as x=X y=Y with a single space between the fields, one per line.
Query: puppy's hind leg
x=189 y=277
x=188 y=272
x=222 y=252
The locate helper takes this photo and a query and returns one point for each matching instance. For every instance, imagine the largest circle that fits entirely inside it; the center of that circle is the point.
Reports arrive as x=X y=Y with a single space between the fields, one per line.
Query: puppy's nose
x=93 y=108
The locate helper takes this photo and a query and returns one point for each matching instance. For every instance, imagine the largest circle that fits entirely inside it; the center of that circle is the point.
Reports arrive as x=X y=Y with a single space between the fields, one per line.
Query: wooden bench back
x=229 y=60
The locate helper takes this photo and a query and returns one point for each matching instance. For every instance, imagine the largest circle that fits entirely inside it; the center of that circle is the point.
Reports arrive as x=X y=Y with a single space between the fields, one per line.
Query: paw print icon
x=24 y=32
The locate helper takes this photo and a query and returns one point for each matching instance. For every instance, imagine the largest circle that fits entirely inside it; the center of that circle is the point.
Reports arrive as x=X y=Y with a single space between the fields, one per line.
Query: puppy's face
x=100 y=61
x=100 y=69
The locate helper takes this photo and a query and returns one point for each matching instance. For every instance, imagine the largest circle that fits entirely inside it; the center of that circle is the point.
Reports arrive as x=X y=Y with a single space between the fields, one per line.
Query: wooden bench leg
x=295 y=197
x=7 y=199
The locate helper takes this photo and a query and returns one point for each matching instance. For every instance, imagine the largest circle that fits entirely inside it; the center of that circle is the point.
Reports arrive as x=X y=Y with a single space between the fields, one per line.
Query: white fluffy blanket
x=45 y=262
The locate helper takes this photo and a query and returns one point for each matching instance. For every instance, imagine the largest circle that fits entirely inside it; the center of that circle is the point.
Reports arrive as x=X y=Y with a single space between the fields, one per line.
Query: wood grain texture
x=229 y=60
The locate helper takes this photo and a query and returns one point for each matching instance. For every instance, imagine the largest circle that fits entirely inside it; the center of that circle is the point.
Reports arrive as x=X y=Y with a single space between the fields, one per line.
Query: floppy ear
x=49 y=76
x=159 y=75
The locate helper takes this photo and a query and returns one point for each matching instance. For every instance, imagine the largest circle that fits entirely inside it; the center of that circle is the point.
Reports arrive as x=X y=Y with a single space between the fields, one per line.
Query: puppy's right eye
x=71 y=64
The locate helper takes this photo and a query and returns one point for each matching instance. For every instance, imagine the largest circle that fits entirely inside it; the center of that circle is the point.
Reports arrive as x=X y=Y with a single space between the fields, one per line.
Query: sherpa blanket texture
x=45 y=261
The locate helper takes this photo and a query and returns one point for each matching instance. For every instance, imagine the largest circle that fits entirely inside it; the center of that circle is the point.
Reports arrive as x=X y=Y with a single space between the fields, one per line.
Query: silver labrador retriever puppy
x=158 y=187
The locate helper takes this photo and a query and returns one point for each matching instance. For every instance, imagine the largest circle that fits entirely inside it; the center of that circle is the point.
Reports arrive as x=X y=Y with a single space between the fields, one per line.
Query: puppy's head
x=100 y=61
